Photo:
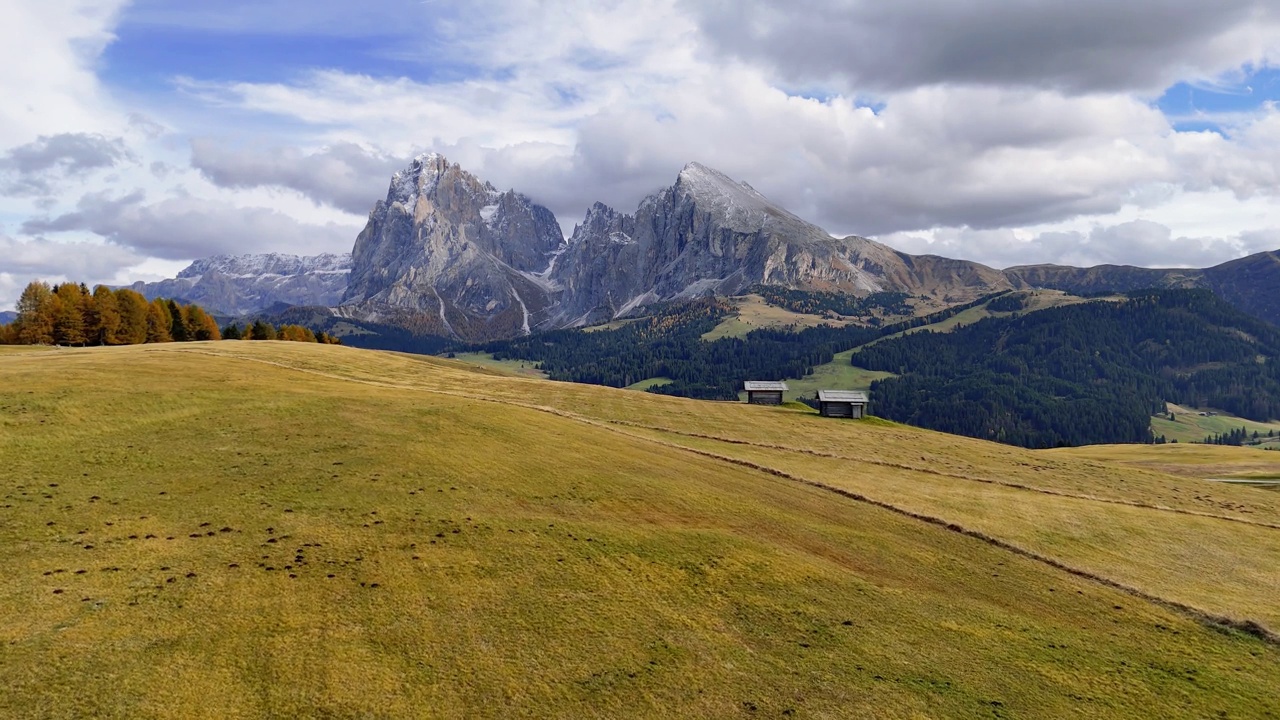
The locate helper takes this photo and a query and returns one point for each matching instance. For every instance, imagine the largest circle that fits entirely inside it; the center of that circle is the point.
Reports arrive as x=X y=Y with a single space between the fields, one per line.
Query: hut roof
x=849 y=396
x=764 y=385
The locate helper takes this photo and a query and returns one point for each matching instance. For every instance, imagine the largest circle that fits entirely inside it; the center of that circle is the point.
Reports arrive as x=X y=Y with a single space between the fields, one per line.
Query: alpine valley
x=707 y=284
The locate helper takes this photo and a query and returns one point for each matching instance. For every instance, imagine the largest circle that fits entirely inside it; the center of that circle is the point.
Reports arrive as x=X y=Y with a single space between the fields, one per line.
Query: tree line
x=822 y=302
x=69 y=314
x=1081 y=374
x=669 y=344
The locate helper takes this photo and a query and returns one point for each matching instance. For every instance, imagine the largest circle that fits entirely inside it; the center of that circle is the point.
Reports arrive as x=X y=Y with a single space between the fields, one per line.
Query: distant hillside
x=1251 y=284
x=7 y=316
x=1081 y=374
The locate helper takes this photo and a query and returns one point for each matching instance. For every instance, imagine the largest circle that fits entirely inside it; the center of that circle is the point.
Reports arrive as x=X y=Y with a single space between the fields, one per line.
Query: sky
x=138 y=136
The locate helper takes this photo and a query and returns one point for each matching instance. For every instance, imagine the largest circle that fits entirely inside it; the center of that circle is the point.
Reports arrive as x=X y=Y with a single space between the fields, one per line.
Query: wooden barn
x=842 y=403
x=764 y=392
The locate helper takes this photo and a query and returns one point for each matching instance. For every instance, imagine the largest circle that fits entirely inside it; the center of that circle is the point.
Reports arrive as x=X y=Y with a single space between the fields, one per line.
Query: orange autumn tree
x=69 y=314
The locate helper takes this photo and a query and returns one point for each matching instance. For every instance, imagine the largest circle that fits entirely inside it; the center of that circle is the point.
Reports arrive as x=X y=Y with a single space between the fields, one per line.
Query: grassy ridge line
x=956 y=476
x=814 y=453
x=1246 y=625
x=890 y=443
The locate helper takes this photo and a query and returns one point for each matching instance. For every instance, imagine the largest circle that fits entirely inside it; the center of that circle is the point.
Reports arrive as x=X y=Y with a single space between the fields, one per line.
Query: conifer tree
x=68 y=315
x=35 y=315
x=133 y=308
x=179 y=324
x=203 y=325
x=231 y=332
x=158 y=323
x=262 y=331
x=104 y=320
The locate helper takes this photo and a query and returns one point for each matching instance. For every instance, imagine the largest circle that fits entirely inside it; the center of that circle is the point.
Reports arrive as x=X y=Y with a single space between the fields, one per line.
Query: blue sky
x=1205 y=105
x=144 y=134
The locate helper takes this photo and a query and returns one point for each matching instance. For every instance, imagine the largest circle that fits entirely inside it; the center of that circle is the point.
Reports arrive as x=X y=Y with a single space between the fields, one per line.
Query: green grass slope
x=288 y=530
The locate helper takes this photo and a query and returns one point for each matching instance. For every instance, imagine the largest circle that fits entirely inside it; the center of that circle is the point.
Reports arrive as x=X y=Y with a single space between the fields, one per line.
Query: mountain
x=7 y=317
x=708 y=234
x=242 y=284
x=445 y=253
x=448 y=253
x=1251 y=283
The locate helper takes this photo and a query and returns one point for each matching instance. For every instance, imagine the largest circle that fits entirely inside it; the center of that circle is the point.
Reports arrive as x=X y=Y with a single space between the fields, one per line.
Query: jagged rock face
x=710 y=235
x=449 y=254
x=446 y=253
x=244 y=284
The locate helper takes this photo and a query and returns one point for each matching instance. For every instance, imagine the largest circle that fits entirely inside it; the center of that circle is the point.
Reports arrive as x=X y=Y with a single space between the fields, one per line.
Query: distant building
x=842 y=403
x=764 y=393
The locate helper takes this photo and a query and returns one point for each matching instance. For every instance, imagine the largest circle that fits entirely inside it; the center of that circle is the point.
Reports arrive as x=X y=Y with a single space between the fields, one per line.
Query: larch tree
x=158 y=323
x=203 y=325
x=133 y=308
x=104 y=318
x=68 y=315
x=35 y=315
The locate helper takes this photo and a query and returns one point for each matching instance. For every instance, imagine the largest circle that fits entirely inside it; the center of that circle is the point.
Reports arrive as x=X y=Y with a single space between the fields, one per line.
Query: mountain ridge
x=471 y=263
x=446 y=253
x=242 y=284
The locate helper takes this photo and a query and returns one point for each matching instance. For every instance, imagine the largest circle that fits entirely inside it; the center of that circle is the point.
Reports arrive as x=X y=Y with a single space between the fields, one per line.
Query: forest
x=1081 y=374
x=822 y=303
x=69 y=314
x=669 y=344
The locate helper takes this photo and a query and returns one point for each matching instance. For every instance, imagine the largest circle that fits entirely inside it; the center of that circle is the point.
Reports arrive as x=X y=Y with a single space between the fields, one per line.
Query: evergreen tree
x=179 y=324
x=232 y=332
x=262 y=331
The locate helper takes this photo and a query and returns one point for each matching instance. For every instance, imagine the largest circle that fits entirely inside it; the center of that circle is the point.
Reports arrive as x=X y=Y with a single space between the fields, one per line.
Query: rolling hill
x=256 y=529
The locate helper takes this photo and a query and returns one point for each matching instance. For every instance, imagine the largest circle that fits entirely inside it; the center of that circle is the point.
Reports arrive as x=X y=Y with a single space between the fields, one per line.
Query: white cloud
x=1084 y=46
x=185 y=227
x=343 y=175
x=995 y=139
x=1137 y=242
x=47 y=51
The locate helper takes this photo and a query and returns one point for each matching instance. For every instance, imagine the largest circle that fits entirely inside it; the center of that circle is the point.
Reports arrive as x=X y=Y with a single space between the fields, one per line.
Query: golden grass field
x=260 y=529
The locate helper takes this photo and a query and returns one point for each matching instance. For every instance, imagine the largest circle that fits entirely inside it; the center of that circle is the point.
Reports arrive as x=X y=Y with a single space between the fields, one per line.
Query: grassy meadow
x=245 y=530
x=1189 y=426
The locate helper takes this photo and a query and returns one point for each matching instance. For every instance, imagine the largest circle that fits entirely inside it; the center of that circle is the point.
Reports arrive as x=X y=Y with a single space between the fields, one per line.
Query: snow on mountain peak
x=420 y=177
x=269 y=264
x=739 y=203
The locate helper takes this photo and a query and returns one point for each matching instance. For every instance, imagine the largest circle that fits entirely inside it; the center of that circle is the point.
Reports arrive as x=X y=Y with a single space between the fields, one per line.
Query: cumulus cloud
x=34 y=168
x=40 y=258
x=965 y=127
x=1084 y=46
x=182 y=228
x=1138 y=242
x=344 y=175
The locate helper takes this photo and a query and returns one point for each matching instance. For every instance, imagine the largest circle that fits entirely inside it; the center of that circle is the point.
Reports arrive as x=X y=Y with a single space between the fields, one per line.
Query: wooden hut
x=764 y=392
x=842 y=403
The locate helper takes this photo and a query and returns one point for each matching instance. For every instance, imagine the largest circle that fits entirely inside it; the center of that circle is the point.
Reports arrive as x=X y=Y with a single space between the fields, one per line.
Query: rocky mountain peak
x=453 y=255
